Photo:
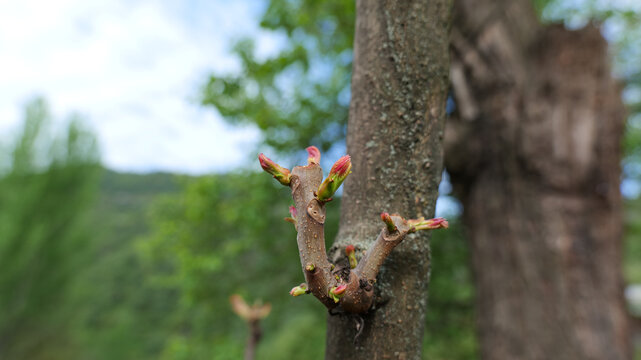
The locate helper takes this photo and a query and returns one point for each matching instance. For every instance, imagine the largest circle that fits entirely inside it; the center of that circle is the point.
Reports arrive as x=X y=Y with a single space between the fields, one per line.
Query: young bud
x=337 y=292
x=314 y=155
x=278 y=172
x=299 y=290
x=336 y=176
x=351 y=255
x=430 y=224
x=389 y=223
x=310 y=267
x=292 y=212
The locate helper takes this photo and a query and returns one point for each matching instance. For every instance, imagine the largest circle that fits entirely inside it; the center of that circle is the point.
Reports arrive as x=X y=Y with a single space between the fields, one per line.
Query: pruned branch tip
x=350 y=288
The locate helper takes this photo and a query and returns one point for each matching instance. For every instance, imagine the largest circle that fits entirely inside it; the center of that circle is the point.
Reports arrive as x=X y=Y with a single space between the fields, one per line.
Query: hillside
x=127 y=317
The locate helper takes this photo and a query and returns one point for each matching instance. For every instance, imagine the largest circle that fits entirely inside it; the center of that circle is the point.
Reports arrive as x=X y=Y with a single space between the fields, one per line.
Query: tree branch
x=386 y=242
x=350 y=287
x=310 y=224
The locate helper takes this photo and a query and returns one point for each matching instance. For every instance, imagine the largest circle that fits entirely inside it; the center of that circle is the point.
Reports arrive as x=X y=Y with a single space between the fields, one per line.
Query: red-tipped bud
x=430 y=224
x=336 y=176
x=337 y=292
x=349 y=249
x=351 y=255
x=389 y=223
x=299 y=290
x=292 y=219
x=314 y=155
x=278 y=172
x=342 y=167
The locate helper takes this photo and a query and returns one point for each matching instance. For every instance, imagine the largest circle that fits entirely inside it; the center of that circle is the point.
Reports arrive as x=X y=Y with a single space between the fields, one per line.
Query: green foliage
x=632 y=249
x=44 y=237
x=449 y=327
x=121 y=313
x=225 y=234
x=73 y=285
x=300 y=96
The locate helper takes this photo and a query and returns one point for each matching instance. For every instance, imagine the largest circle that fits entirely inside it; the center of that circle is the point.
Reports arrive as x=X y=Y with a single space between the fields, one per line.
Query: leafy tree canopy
x=47 y=185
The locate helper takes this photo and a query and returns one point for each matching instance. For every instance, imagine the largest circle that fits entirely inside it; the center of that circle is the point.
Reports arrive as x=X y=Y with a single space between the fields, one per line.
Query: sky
x=133 y=70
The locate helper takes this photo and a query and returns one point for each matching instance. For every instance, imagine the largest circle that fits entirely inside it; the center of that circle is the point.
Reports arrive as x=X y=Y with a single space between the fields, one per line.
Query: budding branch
x=350 y=288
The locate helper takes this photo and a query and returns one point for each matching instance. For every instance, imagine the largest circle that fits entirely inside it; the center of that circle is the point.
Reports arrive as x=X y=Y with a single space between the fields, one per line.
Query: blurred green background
x=98 y=264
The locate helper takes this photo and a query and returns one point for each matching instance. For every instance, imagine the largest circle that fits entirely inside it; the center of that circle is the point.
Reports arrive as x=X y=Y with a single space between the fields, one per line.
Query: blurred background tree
x=46 y=190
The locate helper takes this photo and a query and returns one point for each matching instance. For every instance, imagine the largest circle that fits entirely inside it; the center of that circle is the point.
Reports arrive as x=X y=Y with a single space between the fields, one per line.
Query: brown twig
x=310 y=224
x=351 y=287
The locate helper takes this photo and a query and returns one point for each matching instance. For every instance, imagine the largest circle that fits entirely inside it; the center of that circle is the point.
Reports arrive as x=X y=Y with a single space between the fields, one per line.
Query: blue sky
x=133 y=69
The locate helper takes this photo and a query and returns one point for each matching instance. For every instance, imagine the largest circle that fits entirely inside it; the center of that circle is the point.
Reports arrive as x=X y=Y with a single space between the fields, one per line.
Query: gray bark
x=395 y=131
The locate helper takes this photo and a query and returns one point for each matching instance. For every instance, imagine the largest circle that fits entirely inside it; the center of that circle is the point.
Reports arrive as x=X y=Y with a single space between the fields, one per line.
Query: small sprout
x=430 y=224
x=299 y=290
x=351 y=255
x=314 y=155
x=333 y=181
x=337 y=292
x=240 y=307
x=246 y=312
x=310 y=267
x=292 y=212
x=387 y=219
x=278 y=172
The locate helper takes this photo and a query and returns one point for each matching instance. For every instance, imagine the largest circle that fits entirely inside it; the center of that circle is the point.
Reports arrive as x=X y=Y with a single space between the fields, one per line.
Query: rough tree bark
x=395 y=130
x=533 y=152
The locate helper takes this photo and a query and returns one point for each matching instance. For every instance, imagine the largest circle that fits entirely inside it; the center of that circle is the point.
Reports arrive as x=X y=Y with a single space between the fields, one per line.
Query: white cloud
x=131 y=67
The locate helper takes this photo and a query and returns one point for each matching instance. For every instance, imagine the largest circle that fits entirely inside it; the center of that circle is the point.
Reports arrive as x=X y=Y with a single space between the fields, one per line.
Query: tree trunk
x=395 y=131
x=534 y=152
